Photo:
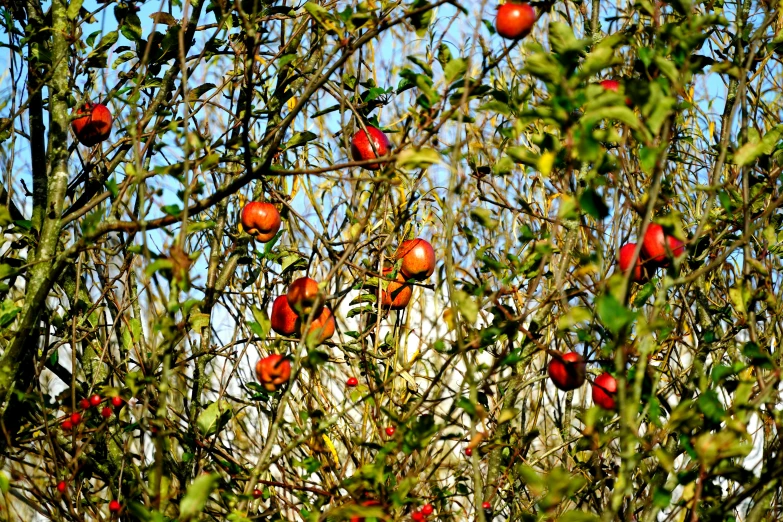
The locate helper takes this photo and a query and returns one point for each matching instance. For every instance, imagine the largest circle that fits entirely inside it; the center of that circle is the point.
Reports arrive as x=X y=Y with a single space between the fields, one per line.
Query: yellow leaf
x=545 y=163
x=332 y=449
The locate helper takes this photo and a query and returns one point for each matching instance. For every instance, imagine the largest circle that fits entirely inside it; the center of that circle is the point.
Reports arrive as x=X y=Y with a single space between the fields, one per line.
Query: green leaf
x=410 y=159
x=562 y=39
x=750 y=152
x=107 y=41
x=73 y=9
x=578 y=516
x=662 y=498
x=455 y=69
x=467 y=306
x=8 y=311
x=196 y=497
x=710 y=406
x=598 y=60
x=214 y=417
x=299 y=139
x=421 y=21
x=262 y=319
x=612 y=313
x=592 y=203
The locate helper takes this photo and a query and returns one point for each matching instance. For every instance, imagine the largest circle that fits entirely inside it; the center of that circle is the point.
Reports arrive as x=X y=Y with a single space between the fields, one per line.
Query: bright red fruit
x=486 y=505
x=468 y=451
x=625 y=256
x=322 y=326
x=568 y=371
x=604 y=390
x=95 y=400
x=304 y=297
x=94 y=126
x=257 y=493
x=114 y=506
x=417 y=516
x=427 y=509
x=67 y=425
x=273 y=371
x=515 y=21
x=398 y=294
x=362 y=150
x=261 y=220
x=610 y=85
x=658 y=246
x=62 y=486
x=418 y=258
x=352 y=382
x=117 y=401
x=283 y=317
x=84 y=404
x=76 y=418
x=390 y=431
x=106 y=412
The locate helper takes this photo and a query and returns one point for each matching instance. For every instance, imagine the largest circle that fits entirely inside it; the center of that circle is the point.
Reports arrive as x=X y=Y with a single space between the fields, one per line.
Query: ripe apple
x=273 y=371
x=515 y=21
x=94 y=125
x=625 y=256
x=283 y=317
x=114 y=506
x=362 y=150
x=658 y=246
x=604 y=390
x=398 y=294
x=352 y=382
x=567 y=372
x=418 y=258
x=304 y=297
x=321 y=328
x=261 y=220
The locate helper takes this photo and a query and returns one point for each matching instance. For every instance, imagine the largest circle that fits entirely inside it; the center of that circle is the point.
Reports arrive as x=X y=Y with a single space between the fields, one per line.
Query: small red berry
x=427 y=509
x=117 y=401
x=417 y=516
x=257 y=493
x=106 y=412
x=468 y=451
x=95 y=400
x=486 y=505
x=390 y=431
x=114 y=506
x=76 y=418
x=84 y=404
x=351 y=382
x=67 y=425
x=61 y=486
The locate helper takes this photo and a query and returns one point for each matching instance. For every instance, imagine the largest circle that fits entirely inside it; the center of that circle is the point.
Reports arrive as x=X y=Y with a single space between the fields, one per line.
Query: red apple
x=283 y=317
x=322 y=327
x=568 y=371
x=625 y=256
x=398 y=294
x=261 y=220
x=514 y=20
x=352 y=382
x=94 y=125
x=658 y=246
x=114 y=506
x=273 y=371
x=418 y=258
x=362 y=150
x=604 y=390
x=304 y=297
